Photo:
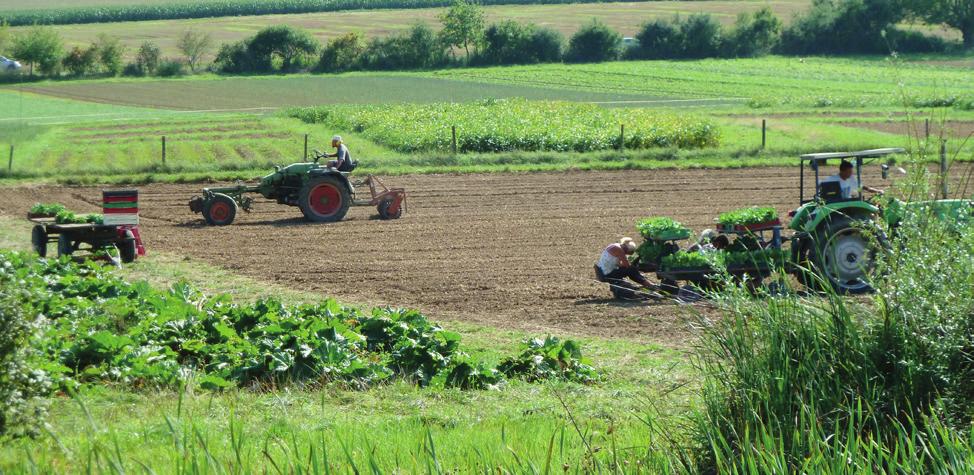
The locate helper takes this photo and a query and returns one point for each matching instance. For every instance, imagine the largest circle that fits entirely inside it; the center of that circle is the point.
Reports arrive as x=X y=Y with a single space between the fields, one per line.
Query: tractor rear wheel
x=219 y=210
x=38 y=238
x=324 y=199
x=384 y=211
x=845 y=252
x=126 y=248
x=64 y=245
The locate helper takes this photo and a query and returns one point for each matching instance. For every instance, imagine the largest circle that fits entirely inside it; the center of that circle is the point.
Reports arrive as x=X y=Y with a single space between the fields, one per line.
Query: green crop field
x=625 y=17
x=305 y=90
x=764 y=83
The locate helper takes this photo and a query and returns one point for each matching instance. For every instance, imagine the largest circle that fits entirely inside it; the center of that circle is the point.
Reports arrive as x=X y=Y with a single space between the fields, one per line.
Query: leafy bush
x=547 y=359
x=148 y=58
x=701 y=36
x=509 y=42
x=342 y=54
x=235 y=58
x=22 y=407
x=170 y=67
x=514 y=124
x=80 y=61
x=110 y=51
x=274 y=48
x=658 y=39
x=660 y=228
x=754 y=34
x=97 y=327
x=594 y=42
x=417 y=49
x=748 y=216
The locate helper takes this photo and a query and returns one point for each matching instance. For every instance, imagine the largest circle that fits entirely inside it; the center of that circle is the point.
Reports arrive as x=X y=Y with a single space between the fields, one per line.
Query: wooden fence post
x=926 y=127
x=764 y=133
x=622 y=137
x=305 y=147
x=943 y=169
x=454 y=131
x=163 y=149
x=10 y=161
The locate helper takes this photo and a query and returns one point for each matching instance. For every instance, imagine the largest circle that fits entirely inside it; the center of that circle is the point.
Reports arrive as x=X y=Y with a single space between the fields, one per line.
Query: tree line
x=465 y=39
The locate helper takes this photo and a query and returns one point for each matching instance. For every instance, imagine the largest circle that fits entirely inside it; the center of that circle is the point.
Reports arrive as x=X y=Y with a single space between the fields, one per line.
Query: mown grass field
x=624 y=17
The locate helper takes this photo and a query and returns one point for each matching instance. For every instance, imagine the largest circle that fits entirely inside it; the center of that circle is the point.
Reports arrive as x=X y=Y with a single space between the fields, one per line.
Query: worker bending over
x=614 y=268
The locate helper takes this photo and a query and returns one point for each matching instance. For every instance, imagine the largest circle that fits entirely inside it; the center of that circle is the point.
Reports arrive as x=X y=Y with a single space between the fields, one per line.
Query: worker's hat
x=627 y=245
x=337 y=138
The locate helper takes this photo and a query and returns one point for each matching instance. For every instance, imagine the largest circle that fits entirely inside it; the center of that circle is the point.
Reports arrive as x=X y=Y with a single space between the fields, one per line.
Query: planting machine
x=832 y=241
x=323 y=193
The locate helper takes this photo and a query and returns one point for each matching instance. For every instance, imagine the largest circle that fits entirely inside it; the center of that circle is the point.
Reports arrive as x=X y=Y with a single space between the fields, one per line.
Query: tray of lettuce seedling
x=56 y=216
x=692 y=266
x=754 y=218
x=662 y=229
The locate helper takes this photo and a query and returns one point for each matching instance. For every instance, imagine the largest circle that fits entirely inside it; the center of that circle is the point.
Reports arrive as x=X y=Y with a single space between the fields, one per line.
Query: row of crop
x=219 y=8
x=514 y=124
x=95 y=326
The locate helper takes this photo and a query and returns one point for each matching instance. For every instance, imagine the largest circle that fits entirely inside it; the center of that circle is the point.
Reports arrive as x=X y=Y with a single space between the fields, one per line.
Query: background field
x=625 y=17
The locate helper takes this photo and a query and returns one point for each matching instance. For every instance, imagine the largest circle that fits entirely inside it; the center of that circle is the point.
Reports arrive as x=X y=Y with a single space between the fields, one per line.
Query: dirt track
x=511 y=251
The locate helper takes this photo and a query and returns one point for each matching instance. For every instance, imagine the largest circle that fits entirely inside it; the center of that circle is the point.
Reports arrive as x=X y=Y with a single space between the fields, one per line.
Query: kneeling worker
x=614 y=268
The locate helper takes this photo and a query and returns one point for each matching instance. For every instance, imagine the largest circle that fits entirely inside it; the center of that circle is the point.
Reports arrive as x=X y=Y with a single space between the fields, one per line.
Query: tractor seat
x=830 y=191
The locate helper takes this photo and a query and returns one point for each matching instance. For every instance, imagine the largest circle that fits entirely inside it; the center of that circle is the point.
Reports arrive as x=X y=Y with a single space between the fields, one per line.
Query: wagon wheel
x=219 y=210
x=64 y=245
x=384 y=212
x=845 y=255
x=38 y=238
x=324 y=199
x=126 y=248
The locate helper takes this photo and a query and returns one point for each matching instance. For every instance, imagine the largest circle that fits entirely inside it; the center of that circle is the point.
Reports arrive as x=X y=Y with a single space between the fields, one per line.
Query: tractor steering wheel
x=317 y=153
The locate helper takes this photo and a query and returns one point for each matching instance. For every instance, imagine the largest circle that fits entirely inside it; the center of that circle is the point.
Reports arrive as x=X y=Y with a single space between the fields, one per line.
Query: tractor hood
x=950 y=211
x=811 y=214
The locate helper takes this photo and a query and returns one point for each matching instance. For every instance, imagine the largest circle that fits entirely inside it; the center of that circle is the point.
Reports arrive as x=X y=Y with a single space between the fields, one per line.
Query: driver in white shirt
x=848 y=182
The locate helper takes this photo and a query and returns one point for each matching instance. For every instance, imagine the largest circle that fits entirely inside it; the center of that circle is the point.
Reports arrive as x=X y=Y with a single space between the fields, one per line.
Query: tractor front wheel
x=845 y=252
x=324 y=199
x=219 y=210
x=38 y=238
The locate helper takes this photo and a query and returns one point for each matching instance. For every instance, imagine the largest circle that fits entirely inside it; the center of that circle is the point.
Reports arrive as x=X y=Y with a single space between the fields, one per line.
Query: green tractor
x=838 y=232
x=323 y=194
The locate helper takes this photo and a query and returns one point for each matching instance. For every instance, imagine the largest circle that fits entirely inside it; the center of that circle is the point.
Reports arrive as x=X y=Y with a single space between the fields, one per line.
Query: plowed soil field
x=511 y=251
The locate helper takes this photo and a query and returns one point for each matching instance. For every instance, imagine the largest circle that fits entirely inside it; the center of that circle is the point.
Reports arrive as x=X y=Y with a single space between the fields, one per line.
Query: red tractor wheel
x=220 y=210
x=324 y=199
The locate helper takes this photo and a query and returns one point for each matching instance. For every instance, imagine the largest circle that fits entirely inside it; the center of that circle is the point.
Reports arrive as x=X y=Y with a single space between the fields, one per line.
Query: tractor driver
x=848 y=182
x=614 y=268
x=343 y=159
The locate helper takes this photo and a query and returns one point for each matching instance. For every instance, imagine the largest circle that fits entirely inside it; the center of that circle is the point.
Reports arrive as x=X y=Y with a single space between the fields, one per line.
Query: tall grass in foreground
x=825 y=384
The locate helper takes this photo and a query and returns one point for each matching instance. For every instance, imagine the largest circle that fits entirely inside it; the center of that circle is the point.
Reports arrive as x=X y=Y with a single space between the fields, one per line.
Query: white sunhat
x=627 y=244
x=337 y=138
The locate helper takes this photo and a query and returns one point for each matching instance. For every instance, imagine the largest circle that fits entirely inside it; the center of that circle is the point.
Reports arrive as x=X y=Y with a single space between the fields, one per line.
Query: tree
x=463 y=25
x=342 y=54
x=110 y=52
x=658 y=39
x=955 y=13
x=80 y=61
x=701 y=36
x=148 y=58
x=754 y=34
x=594 y=42
x=289 y=45
x=194 y=45
x=41 y=46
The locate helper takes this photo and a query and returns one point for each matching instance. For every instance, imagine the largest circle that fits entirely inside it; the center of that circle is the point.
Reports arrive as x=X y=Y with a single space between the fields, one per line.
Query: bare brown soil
x=511 y=251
